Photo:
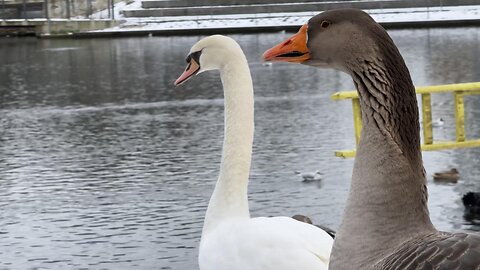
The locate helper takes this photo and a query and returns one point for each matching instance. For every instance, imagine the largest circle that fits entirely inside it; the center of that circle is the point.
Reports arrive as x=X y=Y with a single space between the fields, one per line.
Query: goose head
x=210 y=53
x=332 y=39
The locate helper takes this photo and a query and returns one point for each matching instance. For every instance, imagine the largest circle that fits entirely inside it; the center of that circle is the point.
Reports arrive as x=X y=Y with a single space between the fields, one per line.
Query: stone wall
x=72 y=26
x=76 y=8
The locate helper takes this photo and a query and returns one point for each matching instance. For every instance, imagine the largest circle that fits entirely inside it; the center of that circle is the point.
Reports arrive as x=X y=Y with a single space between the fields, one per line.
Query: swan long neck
x=229 y=199
x=388 y=196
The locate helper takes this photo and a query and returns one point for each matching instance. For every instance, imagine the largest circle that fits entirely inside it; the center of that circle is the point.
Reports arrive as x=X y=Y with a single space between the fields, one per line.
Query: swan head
x=331 y=39
x=210 y=53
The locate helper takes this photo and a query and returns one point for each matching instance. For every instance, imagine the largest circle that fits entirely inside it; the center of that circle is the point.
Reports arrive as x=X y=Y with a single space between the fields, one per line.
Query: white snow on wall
x=277 y=19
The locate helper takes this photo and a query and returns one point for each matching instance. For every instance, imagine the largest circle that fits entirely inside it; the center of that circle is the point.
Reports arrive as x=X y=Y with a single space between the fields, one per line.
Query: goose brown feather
x=438 y=250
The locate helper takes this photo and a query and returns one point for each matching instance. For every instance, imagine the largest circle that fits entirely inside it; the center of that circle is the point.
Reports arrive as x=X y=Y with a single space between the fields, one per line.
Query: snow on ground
x=278 y=19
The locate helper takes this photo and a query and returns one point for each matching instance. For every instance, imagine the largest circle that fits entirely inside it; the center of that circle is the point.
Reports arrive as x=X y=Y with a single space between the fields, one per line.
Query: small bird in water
x=471 y=201
x=310 y=176
x=308 y=220
x=438 y=123
x=450 y=176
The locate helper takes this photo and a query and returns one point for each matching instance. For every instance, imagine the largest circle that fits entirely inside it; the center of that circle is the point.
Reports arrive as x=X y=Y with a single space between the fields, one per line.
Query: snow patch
x=277 y=19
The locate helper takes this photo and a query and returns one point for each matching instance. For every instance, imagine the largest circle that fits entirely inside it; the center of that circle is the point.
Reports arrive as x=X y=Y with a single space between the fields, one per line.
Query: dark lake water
x=105 y=165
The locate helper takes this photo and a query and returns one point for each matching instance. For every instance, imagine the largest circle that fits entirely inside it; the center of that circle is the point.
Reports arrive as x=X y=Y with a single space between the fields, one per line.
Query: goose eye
x=325 y=24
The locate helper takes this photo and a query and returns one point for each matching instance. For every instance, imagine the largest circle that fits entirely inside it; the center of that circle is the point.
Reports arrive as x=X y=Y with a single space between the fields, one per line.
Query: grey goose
x=386 y=223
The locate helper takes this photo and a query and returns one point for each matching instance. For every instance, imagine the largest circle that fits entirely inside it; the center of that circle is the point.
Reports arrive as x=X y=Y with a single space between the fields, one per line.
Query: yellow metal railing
x=458 y=90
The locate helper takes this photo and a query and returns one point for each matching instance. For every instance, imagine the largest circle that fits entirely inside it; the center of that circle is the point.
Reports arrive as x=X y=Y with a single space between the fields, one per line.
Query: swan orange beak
x=293 y=49
x=192 y=68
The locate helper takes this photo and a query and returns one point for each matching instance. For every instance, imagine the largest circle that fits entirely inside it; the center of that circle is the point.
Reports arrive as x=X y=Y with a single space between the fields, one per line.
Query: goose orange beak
x=293 y=49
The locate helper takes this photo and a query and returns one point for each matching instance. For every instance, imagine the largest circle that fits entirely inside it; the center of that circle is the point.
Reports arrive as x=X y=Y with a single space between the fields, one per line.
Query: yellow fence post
x=459 y=91
x=459 y=116
x=427 y=118
x=357 y=118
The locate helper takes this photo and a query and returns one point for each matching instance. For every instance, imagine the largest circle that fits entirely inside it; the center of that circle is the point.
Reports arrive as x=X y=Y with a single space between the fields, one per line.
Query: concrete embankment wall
x=65 y=28
x=81 y=8
x=177 y=9
x=53 y=27
x=159 y=8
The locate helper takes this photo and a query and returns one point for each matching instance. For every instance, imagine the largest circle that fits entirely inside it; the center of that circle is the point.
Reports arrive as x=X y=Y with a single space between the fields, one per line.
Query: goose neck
x=387 y=202
x=388 y=102
x=389 y=160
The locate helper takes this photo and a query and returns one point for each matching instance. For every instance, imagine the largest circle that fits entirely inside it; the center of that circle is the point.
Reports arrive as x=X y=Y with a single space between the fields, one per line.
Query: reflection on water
x=104 y=165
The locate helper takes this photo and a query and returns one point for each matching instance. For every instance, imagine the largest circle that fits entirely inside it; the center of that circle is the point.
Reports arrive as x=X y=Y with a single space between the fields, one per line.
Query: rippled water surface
x=104 y=165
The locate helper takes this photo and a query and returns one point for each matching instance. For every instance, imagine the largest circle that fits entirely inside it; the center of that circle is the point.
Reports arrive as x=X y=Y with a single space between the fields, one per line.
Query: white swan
x=232 y=240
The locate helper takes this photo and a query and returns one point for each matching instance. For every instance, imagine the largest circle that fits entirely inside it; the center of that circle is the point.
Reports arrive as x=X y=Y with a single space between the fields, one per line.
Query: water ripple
x=103 y=165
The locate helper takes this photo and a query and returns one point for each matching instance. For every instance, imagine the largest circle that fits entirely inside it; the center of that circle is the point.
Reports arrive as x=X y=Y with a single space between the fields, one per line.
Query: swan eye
x=195 y=56
x=325 y=24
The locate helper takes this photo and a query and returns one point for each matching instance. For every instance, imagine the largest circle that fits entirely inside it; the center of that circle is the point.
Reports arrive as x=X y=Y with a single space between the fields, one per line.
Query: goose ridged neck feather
x=386 y=224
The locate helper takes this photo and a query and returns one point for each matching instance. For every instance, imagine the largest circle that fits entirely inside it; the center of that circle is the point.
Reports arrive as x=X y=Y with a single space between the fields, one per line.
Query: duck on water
x=386 y=223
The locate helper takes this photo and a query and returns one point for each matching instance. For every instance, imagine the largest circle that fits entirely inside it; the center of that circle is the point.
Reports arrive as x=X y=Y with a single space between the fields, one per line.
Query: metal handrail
x=459 y=92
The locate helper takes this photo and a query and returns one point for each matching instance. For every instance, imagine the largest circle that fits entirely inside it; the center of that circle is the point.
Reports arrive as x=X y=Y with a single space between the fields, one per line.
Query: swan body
x=386 y=223
x=265 y=243
x=230 y=238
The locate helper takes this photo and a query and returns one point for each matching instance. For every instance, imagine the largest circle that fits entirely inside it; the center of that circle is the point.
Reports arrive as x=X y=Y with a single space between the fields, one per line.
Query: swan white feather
x=230 y=238
x=265 y=243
